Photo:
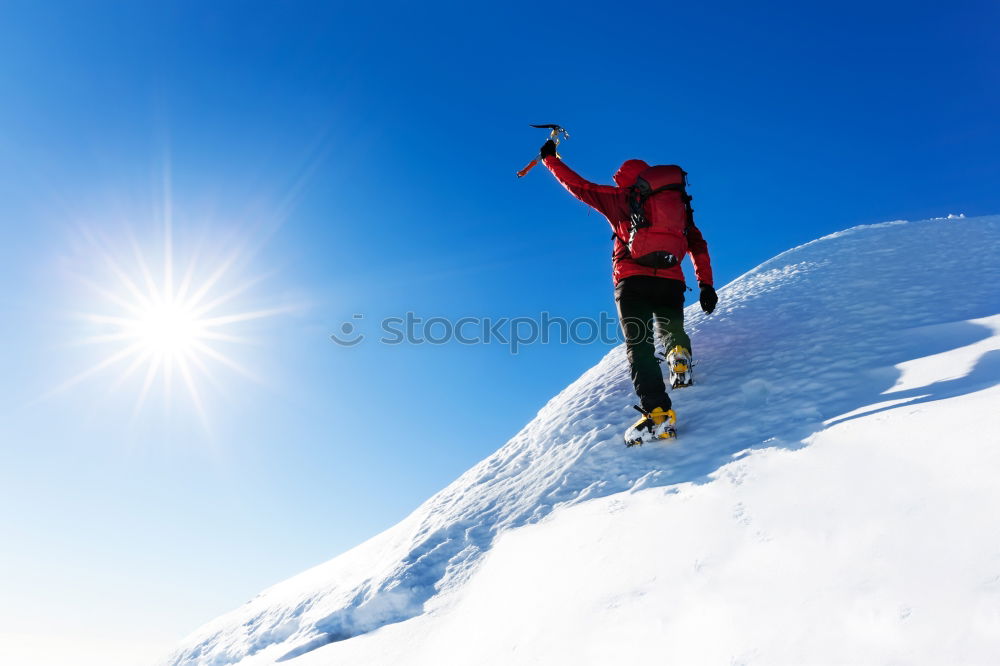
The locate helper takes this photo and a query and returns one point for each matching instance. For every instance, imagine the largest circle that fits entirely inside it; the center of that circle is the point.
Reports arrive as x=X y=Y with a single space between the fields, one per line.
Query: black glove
x=548 y=149
x=708 y=297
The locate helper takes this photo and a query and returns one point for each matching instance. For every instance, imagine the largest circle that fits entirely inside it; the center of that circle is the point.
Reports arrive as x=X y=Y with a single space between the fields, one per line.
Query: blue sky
x=360 y=161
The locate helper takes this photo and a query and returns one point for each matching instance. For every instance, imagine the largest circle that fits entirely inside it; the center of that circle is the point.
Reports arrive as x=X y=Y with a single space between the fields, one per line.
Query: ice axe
x=555 y=134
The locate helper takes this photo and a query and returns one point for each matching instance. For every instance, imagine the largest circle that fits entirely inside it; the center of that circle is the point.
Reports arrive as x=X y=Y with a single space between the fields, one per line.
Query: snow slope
x=787 y=557
x=830 y=498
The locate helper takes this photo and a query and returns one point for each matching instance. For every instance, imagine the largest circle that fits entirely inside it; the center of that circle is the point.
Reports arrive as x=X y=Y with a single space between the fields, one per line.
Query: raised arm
x=601 y=197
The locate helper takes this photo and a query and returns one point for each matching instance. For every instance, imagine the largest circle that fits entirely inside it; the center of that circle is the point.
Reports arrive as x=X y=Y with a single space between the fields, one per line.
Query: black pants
x=650 y=306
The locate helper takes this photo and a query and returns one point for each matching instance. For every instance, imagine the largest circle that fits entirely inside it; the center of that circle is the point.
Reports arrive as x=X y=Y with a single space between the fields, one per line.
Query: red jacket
x=612 y=202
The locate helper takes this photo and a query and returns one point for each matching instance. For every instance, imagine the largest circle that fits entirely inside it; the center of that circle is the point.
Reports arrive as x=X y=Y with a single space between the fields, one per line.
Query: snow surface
x=832 y=497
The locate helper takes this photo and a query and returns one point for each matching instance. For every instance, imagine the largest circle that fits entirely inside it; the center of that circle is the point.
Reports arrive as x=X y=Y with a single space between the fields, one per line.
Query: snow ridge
x=811 y=335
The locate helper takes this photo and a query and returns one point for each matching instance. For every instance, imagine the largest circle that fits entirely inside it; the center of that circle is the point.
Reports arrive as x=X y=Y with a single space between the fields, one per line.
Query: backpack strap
x=638 y=194
x=615 y=256
x=641 y=192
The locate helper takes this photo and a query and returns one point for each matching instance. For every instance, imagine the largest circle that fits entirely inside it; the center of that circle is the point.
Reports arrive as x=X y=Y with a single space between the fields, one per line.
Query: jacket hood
x=629 y=171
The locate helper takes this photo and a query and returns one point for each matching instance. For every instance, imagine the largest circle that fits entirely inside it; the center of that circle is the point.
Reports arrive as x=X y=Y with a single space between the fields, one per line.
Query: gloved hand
x=548 y=149
x=709 y=299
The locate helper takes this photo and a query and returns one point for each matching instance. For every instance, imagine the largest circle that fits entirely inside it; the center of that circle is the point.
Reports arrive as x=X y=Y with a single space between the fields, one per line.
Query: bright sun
x=154 y=326
x=168 y=328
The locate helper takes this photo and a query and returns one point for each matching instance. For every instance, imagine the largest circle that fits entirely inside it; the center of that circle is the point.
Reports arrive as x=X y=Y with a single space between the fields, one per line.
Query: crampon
x=656 y=425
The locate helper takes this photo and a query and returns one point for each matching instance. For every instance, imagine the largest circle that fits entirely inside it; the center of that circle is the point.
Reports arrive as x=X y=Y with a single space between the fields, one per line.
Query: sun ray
x=188 y=278
x=168 y=237
x=137 y=362
x=192 y=390
x=151 y=373
x=121 y=275
x=94 y=318
x=101 y=339
x=199 y=362
x=111 y=296
x=225 y=360
x=154 y=292
x=228 y=337
x=246 y=316
x=228 y=296
x=168 y=384
x=209 y=283
x=94 y=369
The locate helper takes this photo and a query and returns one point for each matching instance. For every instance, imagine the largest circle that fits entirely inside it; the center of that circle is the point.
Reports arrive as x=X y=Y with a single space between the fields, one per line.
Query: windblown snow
x=832 y=497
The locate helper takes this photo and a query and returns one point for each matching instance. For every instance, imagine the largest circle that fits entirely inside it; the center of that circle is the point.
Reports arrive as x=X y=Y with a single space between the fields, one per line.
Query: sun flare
x=154 y=326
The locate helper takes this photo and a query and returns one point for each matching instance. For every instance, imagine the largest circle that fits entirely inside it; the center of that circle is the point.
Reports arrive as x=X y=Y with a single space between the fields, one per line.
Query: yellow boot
x=657 y=424
x=679 y=362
